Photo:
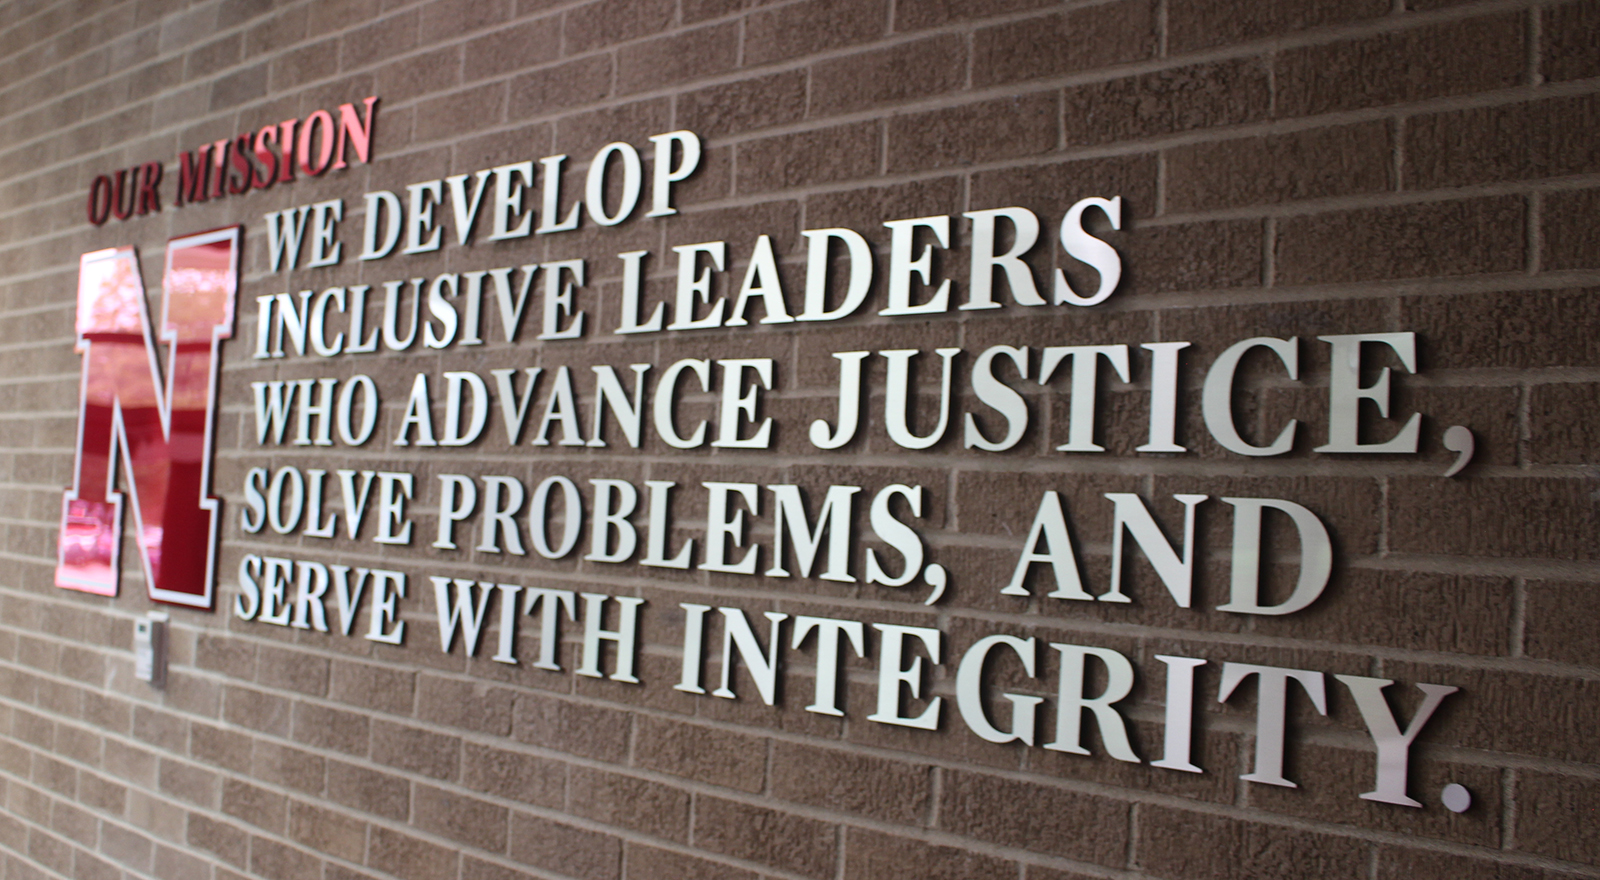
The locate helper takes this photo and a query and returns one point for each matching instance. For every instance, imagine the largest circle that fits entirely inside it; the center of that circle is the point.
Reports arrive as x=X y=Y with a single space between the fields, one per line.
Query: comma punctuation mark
x=1458 y=439
x=937 y=578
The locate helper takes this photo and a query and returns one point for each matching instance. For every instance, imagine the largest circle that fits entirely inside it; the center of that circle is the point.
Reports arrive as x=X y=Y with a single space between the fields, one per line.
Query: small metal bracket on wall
x=150 y=648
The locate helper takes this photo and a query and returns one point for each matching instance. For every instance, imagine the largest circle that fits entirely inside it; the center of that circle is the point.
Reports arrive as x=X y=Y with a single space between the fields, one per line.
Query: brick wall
x=1289 y=168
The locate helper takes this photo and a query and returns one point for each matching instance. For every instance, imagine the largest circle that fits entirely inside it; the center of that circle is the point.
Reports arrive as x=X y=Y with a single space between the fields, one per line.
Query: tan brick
x=637 y=804
x=1401 y=609
x=1187 y=256
x=1449 y=58
x=1024 y=125
x=287 y=766
x=1558 y=518
x=331 y=728
x=159 y=729
x=370 y=791
x=560 y=86
x=130 y=763
x=704 y=754
x=528 y=778
x=903 y=72
x=409 y=857
x=585 y=730
x=189 y=783
x=419 y=751
x=469 y=820
x=254 y=804
x=212 y=57
x=293 y=670
x=512 y=47
x=650 y=668
x=873 y=855
x=608 y=22
x=444 y=19
x=420 y=76
x=1536 y=328
x=57 y=776
x=90 y=868
x=51 y=852
x=1037 y=817
x=676 y=58
x=83 y=665
x=934 y=13
x=648 y=861
x=1081 y=39
x=1398 y=864
x=564 y=849
x=1318 y=163
x=79 y=826
x=1178 y=843
x=466 y=110
x=193 y=694
x=824 y=155
x=240 y=87
x=1554 y=625
x=30 y=804
x=176 y=864
x=15 y=759
x=811 y=26
x=101 y=794
x=1167 y=101
x=468 y=705
x=1566 y=33
x=221 y=748
x=327 y=831
x=701 y=10
x=482 y=870
x=851 y=782
x=782 y=840
x=1564 y=424
x=1555 y=816
x=1407 y=241
x=257 y=710
x=744 y=105
x=224 y=840
x=1563 y=221
x=1524 y=141
x=1200 y=24
x=374 y=687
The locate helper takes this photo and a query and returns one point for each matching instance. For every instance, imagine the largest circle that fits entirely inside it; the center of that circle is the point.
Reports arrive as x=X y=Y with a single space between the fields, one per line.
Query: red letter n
x=354 y=132
x=163 y=430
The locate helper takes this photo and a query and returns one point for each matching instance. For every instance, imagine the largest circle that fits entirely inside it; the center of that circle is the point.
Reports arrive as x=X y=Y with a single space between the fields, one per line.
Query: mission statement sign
x=165 y=433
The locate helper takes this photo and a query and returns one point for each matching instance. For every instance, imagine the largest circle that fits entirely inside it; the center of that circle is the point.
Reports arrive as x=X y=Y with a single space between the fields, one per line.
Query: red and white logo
x=163 y=429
